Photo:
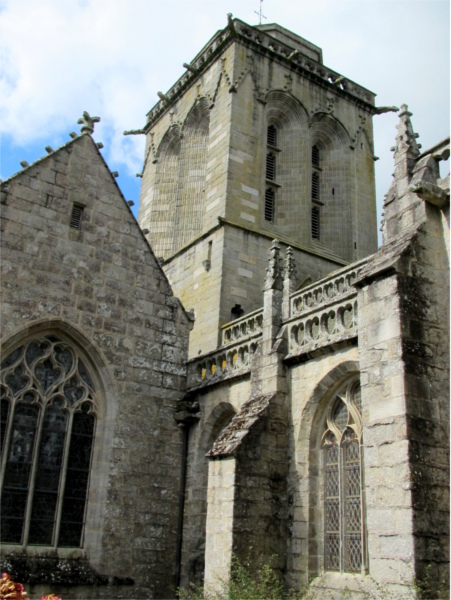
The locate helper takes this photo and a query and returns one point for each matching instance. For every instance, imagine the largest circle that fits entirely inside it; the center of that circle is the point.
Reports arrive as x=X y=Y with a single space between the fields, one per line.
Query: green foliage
x=244 y=584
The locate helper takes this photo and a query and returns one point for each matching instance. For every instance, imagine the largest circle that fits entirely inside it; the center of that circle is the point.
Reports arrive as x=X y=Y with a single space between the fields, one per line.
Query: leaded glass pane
x=46 y=374
x=5 y=404
x=340 y=415
x=12 y=358
x=17 y=380
x=48 y=476
x=35 y=350
x=84 y=374
x=64 y=357
x=357 y=397
x=74 y=499
x=17 y=472
x=332 y=504
x=73 y=390
x=352 y=500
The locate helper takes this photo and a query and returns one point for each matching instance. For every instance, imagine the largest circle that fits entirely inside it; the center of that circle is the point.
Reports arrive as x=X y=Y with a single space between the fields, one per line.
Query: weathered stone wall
x=101 y=289
x=195 y=276
x=217 y=406
x=245 y=262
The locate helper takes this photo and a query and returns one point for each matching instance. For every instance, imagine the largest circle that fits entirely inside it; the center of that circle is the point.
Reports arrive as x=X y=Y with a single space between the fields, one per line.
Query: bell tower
x=257 y=140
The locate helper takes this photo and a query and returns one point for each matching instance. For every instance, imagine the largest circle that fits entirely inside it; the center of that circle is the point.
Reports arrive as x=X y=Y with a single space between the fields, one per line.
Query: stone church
x=242 y=372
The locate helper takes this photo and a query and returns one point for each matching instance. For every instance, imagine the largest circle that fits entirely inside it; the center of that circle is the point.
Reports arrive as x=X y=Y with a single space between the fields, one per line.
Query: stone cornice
x=265 y=45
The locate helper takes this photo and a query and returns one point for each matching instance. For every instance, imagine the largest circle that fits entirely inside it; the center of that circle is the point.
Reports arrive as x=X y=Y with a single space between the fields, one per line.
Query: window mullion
x=341 y=500
x=6 y=442
x=62 y=483
x=34 y=469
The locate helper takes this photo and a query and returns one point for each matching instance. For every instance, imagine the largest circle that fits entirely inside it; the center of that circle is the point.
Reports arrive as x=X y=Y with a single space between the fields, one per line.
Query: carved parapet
x=229 y=361
x=244 y=327
x=329 y=324
x=337 y=286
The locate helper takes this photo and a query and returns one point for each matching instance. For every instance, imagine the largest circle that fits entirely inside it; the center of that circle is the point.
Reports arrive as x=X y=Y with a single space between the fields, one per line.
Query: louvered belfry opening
x=271 y=166
x=269 y=204
x=76 y=217
x=271 y=173
x=271 y=138
x=315 y=186
x=315 y=194
x=315 y=223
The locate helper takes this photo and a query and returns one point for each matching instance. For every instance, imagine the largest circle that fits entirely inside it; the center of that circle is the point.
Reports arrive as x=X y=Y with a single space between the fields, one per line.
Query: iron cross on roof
x=260 y=13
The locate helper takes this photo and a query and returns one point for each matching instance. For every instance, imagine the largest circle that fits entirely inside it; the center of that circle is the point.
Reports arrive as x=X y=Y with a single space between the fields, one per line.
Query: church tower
x=257 y=140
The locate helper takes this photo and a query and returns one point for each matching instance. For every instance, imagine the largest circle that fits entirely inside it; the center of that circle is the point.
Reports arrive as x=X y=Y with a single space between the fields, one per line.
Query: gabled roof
x=70 y=144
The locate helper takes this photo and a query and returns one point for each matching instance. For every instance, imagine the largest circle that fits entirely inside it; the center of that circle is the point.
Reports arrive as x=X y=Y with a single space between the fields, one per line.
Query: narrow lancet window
x=342 y=466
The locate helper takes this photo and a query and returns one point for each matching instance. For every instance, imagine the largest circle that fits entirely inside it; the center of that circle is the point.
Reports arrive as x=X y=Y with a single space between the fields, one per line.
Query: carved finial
x=274 y=270
x=290 y=264
x=406 y=144
x=88 y=122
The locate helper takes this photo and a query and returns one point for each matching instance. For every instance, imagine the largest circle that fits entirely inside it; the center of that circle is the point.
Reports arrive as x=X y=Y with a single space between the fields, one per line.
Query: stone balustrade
x=336 y=286
x=244 y=327
x=321 y=314
x=323 y=326
x=235 y=359
x=325 y=312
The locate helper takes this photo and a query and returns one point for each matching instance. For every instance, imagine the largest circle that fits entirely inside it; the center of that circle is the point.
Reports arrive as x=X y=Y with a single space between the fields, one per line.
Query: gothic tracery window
x=344 y=538
x=47 y=422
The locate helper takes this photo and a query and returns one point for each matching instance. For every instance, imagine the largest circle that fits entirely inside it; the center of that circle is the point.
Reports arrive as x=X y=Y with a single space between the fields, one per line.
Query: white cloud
x=110 y=57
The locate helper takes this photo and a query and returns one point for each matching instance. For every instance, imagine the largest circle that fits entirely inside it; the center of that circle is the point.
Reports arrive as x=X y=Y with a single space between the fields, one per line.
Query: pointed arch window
x=48 y=418
x=344 y=539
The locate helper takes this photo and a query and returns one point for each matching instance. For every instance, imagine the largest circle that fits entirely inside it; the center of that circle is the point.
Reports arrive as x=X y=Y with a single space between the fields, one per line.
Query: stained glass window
x=47 y=424
x=342 y=463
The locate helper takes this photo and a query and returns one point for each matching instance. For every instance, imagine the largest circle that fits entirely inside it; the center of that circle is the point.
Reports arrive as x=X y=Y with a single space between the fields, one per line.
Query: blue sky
x=111 y=57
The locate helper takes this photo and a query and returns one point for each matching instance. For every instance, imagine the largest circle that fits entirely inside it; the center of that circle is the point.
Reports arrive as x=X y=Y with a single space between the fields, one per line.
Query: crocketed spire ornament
x=88 y=122
x=274 y=270
x=406 y=139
